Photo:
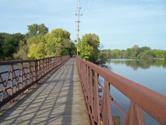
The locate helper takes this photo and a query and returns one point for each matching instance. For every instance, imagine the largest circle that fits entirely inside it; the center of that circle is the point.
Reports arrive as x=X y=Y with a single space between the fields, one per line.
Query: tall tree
x=58 y=42
x=88 y=47
x=9 y=44
x=37 y=47
x=22 y=52
x=37 y=29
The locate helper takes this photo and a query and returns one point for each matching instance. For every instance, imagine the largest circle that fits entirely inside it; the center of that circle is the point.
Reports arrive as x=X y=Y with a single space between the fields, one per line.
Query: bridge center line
x=68 y=107
x=55 y=102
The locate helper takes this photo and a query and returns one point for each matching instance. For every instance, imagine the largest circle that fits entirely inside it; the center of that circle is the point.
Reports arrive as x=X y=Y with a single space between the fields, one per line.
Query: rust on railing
x=141 y=98
x=18 y=76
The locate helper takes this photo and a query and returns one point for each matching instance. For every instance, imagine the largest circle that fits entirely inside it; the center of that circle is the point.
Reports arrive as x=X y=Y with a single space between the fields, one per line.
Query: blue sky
x=119 y=23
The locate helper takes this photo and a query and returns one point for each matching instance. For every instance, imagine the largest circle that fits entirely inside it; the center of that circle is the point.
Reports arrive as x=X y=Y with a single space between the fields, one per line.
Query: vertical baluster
x=106 y=106
x=34 y=75
x=49 y=61
x=39 y=69
x=20 y=76
x=91 y=96
x=84 y=82
x=48 y=65
x=17 y=78
x=42 y=68
x=53 y=62
x=30 y=71
x=2 y=90
x=87 y=85
x=10 y=80
x=135 y=115
x=96 y=100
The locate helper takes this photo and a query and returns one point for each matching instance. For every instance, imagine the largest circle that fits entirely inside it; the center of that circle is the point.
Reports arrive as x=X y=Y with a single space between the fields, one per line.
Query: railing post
x=20 y=76
x=36 y=70
x=135 y=115
x=96 y=100
x=10 y=80
x=106 y=110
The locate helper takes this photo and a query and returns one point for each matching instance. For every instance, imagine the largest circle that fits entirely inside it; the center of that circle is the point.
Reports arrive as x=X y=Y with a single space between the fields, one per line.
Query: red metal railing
x=99 y=106
x=18 y=76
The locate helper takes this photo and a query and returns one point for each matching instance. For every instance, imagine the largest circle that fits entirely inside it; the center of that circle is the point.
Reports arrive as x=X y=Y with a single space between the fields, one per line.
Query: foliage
x=28 y=49
x=88 y=47
x=36 y=29
x=9 y=44
x=36 y=43
x=143 y=64
x=37 y=47
x=135 y=52
x=165 y=56
x=55 y=43
x=22 y=51
x=58 y=42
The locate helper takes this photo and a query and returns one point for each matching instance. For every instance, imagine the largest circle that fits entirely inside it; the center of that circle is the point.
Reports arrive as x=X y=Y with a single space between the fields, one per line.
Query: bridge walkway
x=57 y=101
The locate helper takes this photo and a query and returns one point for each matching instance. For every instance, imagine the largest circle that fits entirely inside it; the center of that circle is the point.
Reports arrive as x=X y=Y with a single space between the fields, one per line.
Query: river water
x=151 y=74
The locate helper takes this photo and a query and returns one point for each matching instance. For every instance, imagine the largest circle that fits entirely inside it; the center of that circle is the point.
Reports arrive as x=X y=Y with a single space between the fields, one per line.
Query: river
x=151 y=74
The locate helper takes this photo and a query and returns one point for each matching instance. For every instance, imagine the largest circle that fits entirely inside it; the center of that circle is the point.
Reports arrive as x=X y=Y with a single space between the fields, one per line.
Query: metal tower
x=78 y=14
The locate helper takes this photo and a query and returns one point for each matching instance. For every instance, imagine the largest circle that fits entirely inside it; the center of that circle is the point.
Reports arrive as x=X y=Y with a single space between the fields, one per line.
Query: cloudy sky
x=119 y=23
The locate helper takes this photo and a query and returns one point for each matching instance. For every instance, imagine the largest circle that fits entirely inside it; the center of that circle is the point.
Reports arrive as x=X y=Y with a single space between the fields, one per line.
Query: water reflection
x=148 y=73
x=143 y=64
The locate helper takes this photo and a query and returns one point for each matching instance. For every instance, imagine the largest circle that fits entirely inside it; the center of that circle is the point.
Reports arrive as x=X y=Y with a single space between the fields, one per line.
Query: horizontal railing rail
x=18 y=76
x=99 y=105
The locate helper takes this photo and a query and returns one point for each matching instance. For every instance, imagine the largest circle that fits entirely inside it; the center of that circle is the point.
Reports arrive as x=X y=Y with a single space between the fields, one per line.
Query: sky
x=120 y=24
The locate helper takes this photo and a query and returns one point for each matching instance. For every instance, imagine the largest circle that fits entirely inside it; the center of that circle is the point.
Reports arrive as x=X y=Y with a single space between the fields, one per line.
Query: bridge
x=68 y=91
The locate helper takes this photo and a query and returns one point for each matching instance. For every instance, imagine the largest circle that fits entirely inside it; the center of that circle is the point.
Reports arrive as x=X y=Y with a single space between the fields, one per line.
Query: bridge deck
x=58 y=101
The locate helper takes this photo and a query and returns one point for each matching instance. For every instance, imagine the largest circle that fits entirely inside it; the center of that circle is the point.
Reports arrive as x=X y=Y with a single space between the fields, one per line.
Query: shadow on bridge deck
x=57 y=101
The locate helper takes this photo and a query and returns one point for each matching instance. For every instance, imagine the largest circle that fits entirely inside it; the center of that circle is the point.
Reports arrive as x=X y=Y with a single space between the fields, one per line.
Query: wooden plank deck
x=58 y=101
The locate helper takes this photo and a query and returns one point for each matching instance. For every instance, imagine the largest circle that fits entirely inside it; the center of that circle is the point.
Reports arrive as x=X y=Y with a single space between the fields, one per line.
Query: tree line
x=135 y=52
x=143 y=64
x=38 y=42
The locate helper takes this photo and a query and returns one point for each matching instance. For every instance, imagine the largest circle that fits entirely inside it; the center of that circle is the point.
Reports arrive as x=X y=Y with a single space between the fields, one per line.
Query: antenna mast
x=78 y=14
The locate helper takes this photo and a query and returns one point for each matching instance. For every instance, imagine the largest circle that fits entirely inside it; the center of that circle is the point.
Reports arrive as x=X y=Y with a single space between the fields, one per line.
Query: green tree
x=116 y=53
x=88 y=47
x=22 y=52
x=165 y=56
x=37 y=43
x=1 y=45
x=58 y=42
x=146 y=55
x=37 y=47
x=9 y=44
x=135 y=51
x=37 y=29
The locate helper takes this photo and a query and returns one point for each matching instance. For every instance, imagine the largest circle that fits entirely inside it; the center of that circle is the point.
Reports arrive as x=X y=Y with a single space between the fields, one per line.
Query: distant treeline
x=134 y=52
x=143 y=64
x=38 y=42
